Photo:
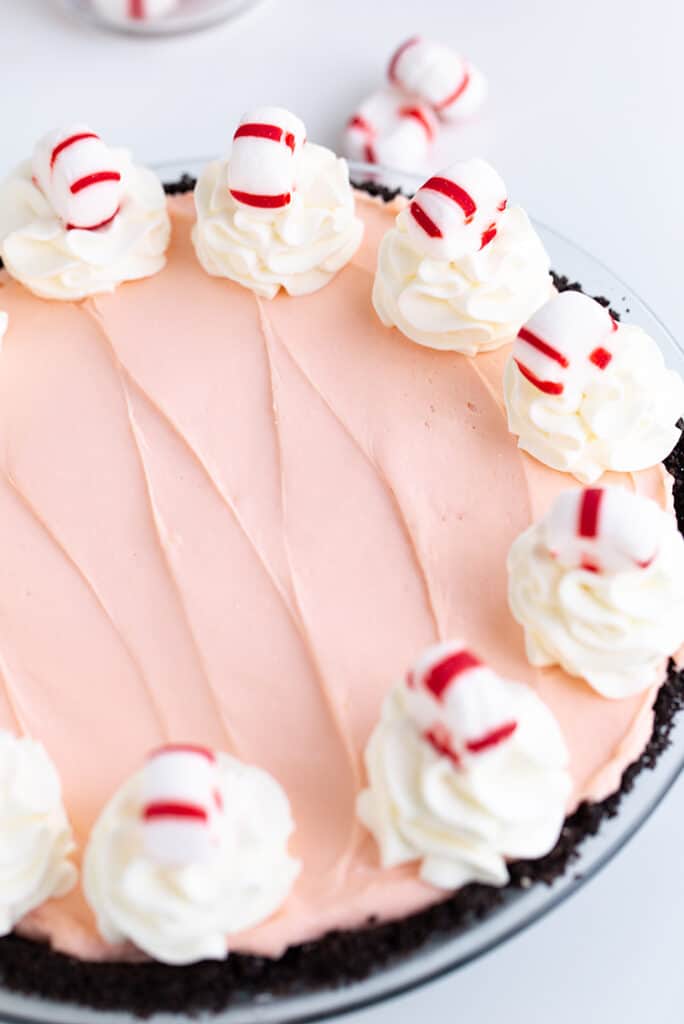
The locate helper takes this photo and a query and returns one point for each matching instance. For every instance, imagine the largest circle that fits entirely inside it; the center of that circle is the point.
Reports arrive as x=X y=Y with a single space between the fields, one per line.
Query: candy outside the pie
x=604 y=530
x=181 y=801
x=124 y=11
x=459 y=704
x=262 y=169
x=563 y=342
x=392 y=129
x=79 y=176
x=439 y=76
x=456 y=212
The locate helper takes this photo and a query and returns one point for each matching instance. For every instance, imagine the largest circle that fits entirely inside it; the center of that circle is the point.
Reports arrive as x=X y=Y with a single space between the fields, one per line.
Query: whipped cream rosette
x=35 y=836
x=190 y=850
x=81 y=218
x=585 y=394
x=598 y=586
x=461 y=270
x=279 y=213
x=465 y=771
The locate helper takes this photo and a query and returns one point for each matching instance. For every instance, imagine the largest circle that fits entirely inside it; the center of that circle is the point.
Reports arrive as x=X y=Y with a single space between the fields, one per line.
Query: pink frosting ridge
x=236 y=522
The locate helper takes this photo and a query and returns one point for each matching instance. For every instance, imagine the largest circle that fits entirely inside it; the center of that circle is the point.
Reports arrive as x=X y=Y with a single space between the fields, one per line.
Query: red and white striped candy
x=391 y=129
x=456 y=212
x=263 y=162
x=460 y=705
x=452 y=87
x=181 y=801
x=123 y=11
x=564 y=339
x=79 y=177
x=603 y=530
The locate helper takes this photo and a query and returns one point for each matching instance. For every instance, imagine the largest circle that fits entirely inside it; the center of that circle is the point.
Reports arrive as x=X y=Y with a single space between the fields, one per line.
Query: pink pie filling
x=236 y=522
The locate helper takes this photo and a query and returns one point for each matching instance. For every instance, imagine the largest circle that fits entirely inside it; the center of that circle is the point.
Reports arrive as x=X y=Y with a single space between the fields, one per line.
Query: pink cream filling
x=236 y=522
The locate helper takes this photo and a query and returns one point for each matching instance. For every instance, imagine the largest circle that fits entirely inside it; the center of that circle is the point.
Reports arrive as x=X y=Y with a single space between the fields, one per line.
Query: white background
x=585 y=124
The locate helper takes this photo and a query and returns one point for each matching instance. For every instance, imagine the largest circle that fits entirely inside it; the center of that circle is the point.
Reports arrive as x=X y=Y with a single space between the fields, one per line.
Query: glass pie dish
x=519 y=907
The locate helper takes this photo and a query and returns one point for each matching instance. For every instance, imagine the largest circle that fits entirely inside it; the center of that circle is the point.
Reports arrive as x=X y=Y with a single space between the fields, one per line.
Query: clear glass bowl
x=189 y=16
x=520 y=908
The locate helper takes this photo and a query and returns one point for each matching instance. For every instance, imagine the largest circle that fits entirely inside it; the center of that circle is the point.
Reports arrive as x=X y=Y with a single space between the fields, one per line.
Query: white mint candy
x=180 y=804
x=79 y=177
x=456 y=212
x=603 y=530
x=459 y=704
x=392 y=129
x=262 y=170
x=560 y=344
x=435 y=73
x=124 y=11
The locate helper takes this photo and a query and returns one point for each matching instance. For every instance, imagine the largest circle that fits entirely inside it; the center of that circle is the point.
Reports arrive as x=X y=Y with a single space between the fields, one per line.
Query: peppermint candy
x=263 y=163
x=439 y=76
x=569 y=337
x=603 y=530
x=79 y=176
x=181 y=804
x=392 y=129
x=456 y=213
x=460 y=705
x=123 y=11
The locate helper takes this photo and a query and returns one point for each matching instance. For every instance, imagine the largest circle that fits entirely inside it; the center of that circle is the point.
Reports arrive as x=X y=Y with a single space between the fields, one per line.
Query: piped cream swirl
x=471 y=304
x=614 y=629
x=180 y=915
x=35 y=835
x=299 y=248
x=57 y=263
x=463 y=823
x=622 y=418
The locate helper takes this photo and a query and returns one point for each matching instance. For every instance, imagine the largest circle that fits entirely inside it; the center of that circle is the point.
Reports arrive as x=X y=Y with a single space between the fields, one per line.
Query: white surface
x=584 y=124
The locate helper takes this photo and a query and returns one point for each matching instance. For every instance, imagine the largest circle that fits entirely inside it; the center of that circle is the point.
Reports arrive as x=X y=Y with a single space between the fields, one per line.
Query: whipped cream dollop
x=35 y=835
x=602 y=400
x=460 y=270
x=298 y=247
x=185 y=912
x=598 y=586
x=55 y=262
x=465 y=771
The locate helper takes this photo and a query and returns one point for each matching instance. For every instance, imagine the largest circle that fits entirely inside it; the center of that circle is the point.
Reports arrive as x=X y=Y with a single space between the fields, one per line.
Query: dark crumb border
x=339 y=957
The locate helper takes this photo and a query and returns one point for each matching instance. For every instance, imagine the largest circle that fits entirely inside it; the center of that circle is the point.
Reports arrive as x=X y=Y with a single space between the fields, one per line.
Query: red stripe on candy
x=184 y=748
x=418 y=115
x=502 y=206
x=444 y=672
x=65 y=143
x=93 y=179
x=549 y=387
x=590 y=506
x=589 y=566
x=453 y=191
x=488 y=235
x=439 y=738
x=136 y=9
x=95 y=227
x=427 y=223
x=263 y=202
x=456 y=94
x=613 y=324
x=492 y=739
x=357 y=121
x=265 y=131
x=542 y=346
x=392 y=73
x=600 y=357
x=169 y=809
